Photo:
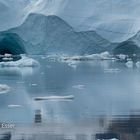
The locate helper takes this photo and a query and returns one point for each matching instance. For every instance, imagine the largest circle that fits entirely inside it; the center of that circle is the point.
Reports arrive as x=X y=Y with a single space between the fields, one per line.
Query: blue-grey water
x=99 y=88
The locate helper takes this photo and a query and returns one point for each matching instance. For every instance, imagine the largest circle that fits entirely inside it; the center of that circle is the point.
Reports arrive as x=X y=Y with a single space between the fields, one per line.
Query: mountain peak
x=51 y=34
x=34 y=19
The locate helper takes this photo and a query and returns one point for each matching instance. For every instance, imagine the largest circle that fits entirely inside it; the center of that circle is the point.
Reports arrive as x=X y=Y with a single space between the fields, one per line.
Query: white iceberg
x=122 y=56
x=4 y=88
x=14 y=106
x=23 y=62
x=129 y=64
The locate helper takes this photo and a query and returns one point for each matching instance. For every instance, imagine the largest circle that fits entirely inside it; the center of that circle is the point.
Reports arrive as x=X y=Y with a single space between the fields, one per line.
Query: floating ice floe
x=79 y=86
x=7 y=59
x=101 y=56
x=4 y=89
x=23 y=62
x=54 y=98
x=122 y=56
x=112 y=70
x=33 y=84
x=129 y=64
x=14 y=106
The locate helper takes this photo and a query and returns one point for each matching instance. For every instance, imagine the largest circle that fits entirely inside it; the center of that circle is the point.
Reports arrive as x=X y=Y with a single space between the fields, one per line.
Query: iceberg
x=54 y=98
x=4 y=88
x=122 y=57
x=23 y=62
x=14 y=106
x=129 y=64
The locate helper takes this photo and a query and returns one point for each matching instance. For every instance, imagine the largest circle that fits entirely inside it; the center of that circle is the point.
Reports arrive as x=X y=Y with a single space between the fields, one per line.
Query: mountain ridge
x=51 y=34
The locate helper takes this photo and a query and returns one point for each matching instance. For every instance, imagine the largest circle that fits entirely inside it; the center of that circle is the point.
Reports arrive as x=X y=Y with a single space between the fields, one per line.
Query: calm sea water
x=99 y=88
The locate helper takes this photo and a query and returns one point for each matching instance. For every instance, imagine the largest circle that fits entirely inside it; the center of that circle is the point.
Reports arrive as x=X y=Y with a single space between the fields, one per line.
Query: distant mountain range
x=109 y=18
x=50 y=34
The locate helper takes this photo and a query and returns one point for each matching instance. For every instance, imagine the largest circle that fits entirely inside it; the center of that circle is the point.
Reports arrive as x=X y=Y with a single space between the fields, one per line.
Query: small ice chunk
x=122 y=56
x=129 y=64
x=14 y=106
x=7 y=59
x=101 y=56
x=7 y=55
x=4 y=88
x=34 y=84
x=105 y=55
x=79 y=86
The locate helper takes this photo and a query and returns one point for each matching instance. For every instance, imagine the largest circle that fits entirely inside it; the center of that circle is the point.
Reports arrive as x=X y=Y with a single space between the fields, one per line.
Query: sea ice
x=129 y=64
x=23 y=62
x=54 y=98
x=116 y=70
x=101 y=56
x=4 y=88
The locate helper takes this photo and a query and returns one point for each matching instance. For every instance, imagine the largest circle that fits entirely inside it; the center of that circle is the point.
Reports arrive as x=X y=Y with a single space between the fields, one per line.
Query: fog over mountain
x=114 y=20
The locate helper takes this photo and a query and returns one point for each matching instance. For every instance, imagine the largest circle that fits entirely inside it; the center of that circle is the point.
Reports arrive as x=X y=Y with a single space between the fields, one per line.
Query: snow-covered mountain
x=51 y=34
x=115 y=20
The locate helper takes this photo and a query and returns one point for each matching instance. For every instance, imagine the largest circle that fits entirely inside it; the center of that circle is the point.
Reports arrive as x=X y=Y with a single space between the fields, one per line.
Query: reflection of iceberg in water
x=17 y=71
x=116 y=70
x=14 y=106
